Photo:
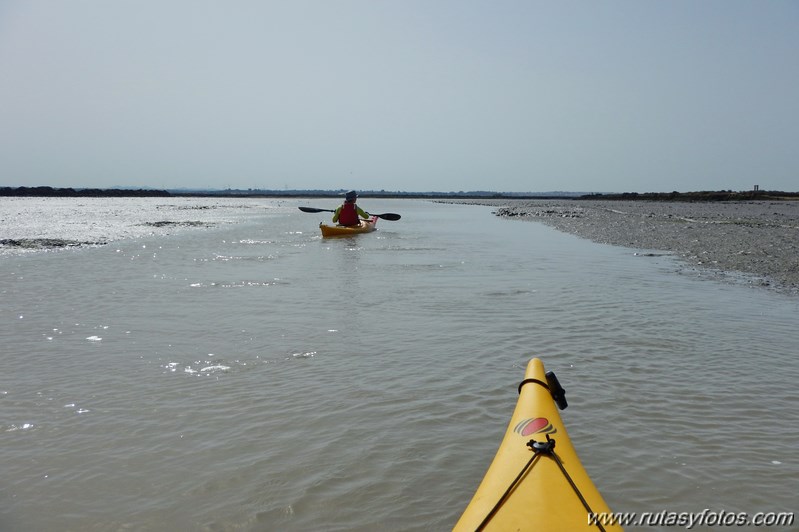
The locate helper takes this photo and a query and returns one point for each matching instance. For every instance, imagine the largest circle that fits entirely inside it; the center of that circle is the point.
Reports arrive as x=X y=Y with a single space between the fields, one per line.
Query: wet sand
x=759 y=239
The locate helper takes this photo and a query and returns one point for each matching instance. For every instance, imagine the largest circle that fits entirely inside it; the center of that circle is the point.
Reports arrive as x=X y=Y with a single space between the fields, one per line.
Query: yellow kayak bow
x=536 y=481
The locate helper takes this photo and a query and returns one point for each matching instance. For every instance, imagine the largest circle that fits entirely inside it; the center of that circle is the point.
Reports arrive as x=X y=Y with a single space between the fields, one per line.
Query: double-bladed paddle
x=386 y=216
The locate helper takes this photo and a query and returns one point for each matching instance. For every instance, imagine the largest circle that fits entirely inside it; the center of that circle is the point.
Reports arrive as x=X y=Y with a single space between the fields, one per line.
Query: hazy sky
x=417 y=95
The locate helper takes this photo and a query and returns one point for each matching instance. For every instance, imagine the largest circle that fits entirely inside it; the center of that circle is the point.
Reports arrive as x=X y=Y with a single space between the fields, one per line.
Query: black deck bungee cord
x=505 y=495
x=536 y=381
x=539 y=448
x=550 y=450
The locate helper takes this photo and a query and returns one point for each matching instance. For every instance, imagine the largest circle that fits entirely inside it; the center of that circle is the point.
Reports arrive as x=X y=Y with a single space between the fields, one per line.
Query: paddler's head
x=351 y=196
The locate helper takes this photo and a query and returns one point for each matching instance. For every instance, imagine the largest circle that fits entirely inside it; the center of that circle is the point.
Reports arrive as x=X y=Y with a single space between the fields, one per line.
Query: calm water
x=256 y=377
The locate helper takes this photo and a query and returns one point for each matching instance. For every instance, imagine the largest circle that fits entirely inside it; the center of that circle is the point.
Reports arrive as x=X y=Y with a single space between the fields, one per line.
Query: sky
x=401 y=95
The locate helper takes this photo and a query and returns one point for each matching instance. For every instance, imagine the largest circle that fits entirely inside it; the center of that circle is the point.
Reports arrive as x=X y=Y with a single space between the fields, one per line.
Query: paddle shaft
x=385 y=216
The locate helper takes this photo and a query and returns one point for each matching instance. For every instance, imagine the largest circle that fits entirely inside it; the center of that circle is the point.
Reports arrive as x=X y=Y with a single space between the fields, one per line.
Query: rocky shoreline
x=757 y=238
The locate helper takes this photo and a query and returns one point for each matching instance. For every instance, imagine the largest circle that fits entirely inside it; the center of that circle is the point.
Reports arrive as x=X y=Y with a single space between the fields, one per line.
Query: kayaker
x=348 y=213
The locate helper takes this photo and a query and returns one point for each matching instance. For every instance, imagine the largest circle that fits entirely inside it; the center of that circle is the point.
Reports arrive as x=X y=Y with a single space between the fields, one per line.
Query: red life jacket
x=348 y=215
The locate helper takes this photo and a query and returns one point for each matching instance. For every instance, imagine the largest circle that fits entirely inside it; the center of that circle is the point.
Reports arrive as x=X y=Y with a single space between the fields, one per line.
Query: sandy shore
x=759 y=239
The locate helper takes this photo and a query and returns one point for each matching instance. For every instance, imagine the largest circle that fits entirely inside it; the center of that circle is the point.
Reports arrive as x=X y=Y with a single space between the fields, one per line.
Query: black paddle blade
x=311 y=209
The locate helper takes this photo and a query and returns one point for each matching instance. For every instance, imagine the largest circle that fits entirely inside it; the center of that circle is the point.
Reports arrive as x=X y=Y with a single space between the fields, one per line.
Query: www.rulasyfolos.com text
x=689 y=520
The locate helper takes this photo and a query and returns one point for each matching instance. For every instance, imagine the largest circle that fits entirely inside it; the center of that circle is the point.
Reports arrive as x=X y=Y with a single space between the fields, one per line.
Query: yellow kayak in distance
x=366 y=226
x=536 y=481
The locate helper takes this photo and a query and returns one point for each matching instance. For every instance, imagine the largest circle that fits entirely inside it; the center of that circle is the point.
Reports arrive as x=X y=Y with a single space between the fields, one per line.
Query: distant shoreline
x=755 y=237
x=702 y=196
x=46 y=192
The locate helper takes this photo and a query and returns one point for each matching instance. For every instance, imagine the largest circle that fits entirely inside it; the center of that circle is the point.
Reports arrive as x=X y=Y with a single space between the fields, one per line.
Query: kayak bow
x=536 y=481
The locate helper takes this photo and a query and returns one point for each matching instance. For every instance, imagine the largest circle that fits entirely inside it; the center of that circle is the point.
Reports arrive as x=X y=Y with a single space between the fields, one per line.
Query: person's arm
x=362 y=212
x=336 y=214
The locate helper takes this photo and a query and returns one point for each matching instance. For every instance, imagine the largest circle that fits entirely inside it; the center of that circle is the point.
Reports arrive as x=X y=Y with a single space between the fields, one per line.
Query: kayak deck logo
x=537 y=425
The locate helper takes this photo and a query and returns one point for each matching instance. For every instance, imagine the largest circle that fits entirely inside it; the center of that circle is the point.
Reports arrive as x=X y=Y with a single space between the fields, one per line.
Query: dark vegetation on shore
x=234 y=193
x=723 y=195
x=81 y=192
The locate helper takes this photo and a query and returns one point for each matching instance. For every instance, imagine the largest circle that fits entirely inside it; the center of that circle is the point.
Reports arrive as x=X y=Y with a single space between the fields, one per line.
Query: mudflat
x=757 y=238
